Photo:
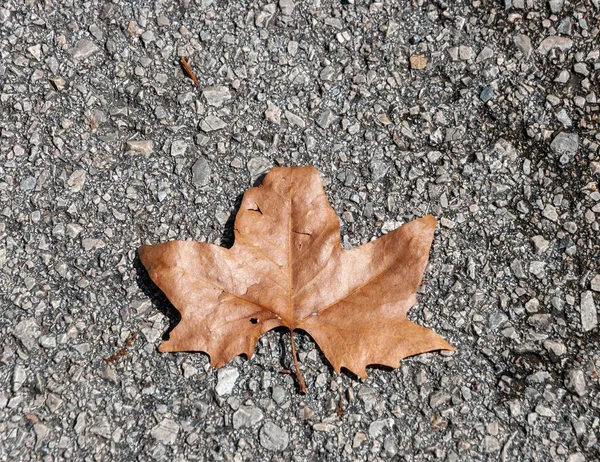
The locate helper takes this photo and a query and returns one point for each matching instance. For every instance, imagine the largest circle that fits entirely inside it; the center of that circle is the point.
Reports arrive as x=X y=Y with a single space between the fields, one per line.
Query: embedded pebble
x=595 y=283
x=216 y=95
x=273 y=437
x=589 y=314
x=294 y=119
x=554 y=42
x=226 y=378
x=326 y=118
x=178 y=148
x=246 y=416
x=84 y=49
x=575 y=382
x=165 y=431
x=565 y=143
x=273 y=113
x=212 y=123
x=201 y=172
x=139 y=146
x=77 y=180
x=523 y=43
x=28 y=183
x=257 y=166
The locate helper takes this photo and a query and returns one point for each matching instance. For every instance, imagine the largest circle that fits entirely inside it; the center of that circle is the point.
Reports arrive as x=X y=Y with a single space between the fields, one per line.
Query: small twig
x=340 y=409
x=188 y=70
x=301 y=382
x=118 y=355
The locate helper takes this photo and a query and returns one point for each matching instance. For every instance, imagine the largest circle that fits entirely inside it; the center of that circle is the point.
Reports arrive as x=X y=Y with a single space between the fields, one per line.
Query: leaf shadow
x=228 y=237
x=156 y=296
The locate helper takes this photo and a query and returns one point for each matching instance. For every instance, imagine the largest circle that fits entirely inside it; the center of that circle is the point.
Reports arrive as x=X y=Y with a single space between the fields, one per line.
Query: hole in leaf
x=254 y=320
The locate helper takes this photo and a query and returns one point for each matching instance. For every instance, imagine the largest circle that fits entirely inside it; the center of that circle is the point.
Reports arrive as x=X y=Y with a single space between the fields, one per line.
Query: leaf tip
x=429 y=220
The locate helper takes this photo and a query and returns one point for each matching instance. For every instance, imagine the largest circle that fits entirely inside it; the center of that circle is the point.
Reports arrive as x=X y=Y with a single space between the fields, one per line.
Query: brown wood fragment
x=122 y=351
x=418 y=62
x=131 y=338
x=118 y=355
x=188 y=70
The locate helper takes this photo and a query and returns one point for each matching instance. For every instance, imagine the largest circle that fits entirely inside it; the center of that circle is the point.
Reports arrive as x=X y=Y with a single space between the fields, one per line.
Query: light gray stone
x=212 y=123
x=538 y=377
x=27 y=183
x=273 y=113
x=575 y=382
x=439 y=398
x=19 y=377
x=326 y=118
x=377 y=428
x=294 y=119
x=490 y=444
x=216 y=95
x=554 y=41
x=589 y=315
x=148 y=37
x=465 y=52
x=563 y=76
x=165 y=431
x=89 y=243
x=81 y=423
x=41 y=433
x=327 y=73
x=178 y=148
x=324 y=427
x=485 y=54
x=287 y=7
x=101 y=428
x=559 y=349
x=565 y=143
x=201 y=172
x=226 y=379
x=246 y=416
x=550 y=212
x=273 y=437
x=581 y=69
x=540 y=244
x=47 y=341
x=257 y=166
x=139 y=146
x=379 y=169
x=77 y=180
x=595 y=283
x=27 y=332
x=537 y=268
x=83 y=49
x=517 y=268
x=556 y=6
x=497 y=320
x=35 y=51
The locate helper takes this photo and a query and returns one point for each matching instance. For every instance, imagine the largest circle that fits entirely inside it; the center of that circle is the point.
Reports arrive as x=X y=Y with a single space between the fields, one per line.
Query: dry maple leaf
x=288 y=268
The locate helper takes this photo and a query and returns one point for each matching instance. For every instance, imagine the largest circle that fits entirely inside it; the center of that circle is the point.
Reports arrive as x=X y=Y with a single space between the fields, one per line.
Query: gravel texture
x=484 y=113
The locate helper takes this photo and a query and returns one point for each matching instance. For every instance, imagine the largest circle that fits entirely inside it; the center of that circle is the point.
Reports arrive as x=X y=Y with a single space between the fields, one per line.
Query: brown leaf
x=287 y=268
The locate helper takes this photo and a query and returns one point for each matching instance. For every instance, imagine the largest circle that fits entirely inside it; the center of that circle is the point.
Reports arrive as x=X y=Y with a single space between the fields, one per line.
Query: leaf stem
x=299 y=377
